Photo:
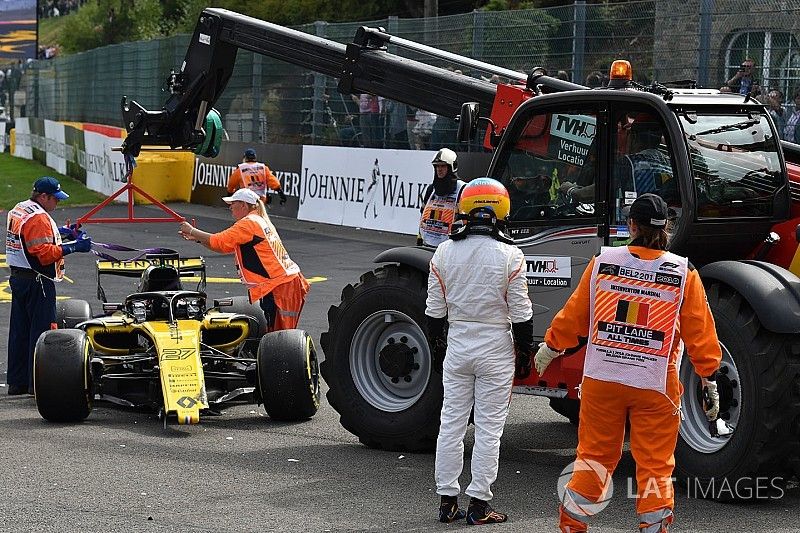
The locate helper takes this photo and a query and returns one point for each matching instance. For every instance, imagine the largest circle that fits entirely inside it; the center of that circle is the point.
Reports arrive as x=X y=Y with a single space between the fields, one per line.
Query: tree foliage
x=102 y=22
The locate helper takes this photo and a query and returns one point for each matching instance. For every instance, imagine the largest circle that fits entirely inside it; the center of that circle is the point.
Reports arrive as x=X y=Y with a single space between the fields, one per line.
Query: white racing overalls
x=479 y=284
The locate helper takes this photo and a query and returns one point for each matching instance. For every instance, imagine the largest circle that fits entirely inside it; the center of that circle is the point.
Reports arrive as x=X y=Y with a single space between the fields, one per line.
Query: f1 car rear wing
x=187 y=267
x=363 y=66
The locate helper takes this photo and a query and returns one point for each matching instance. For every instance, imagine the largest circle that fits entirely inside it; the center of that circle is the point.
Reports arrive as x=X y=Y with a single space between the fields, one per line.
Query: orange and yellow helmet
x=484 y=193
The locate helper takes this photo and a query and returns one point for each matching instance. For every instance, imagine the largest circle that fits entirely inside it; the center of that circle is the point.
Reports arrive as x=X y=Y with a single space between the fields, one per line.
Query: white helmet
x=447 y=157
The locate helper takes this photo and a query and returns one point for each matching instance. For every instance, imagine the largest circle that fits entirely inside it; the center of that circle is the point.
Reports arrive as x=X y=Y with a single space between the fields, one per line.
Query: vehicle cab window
x=552 y=167
x=552 y=164
x=641 y=163
x=735 y=163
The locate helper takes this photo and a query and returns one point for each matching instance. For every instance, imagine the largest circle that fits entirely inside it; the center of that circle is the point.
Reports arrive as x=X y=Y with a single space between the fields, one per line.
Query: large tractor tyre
x=72 y=312
x=61 y=376
x=566 y=407
x=759 y=386
x=377 y=362
x=288 y=375
x=241 y=305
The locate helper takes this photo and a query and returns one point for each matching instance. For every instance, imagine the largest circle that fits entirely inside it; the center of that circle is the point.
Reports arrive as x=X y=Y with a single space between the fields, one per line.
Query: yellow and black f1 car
x=162 y=348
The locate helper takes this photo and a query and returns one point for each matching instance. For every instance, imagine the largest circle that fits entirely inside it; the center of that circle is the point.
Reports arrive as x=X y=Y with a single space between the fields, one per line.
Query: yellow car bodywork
x=177 y=343
x=178 y=347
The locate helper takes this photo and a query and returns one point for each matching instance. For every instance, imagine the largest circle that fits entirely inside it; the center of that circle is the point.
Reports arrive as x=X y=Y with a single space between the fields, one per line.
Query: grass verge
x=16 y=181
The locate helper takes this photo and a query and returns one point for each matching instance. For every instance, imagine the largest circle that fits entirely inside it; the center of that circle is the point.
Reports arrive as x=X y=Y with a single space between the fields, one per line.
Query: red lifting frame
x=130 y=188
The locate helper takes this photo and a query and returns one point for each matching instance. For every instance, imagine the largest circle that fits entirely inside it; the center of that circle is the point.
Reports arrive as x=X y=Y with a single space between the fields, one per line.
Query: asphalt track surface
x=121 y=470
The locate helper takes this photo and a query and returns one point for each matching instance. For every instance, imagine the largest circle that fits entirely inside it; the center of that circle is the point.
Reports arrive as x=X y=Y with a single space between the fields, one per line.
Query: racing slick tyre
x=759 y=386
x=242 y=305
x=566 y=407
x=288 y=375
x=377 y=362
x=72 y=312
x=61 y=375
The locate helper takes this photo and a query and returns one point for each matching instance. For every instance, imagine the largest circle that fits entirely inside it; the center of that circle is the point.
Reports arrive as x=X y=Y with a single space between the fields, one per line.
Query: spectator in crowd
x=57 y=8
x=594 y=79
x=423 y=129
x=349 y=135
x=776 y=110
x=743 y=81
x=369 y=120
x=411 y=123
x=443 y=132
x=562 y=75
x=396 y=131
x=35 y=255
x=791 y=132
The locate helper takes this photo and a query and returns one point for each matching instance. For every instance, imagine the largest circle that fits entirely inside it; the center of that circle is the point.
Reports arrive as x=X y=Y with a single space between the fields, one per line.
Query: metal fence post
x=319 y=89
x=255 y=129
x=578 y=40
x=393 y=27
x=478 y=27
x=704 y=53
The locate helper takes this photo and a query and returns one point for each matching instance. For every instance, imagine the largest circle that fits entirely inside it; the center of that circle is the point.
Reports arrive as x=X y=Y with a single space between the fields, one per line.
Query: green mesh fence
x=268 y=100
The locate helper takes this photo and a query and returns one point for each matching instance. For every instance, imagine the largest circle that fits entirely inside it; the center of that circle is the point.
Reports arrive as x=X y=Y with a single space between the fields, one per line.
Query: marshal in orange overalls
x=265 y=268
x=635 y=323
x=254 y=176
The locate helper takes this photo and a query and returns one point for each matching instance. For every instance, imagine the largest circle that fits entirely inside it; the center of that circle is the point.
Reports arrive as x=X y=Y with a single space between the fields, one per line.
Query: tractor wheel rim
x=694 y=429
x=381 y=391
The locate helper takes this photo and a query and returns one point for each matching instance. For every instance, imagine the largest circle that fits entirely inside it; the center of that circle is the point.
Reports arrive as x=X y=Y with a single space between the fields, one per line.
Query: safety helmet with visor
x=446 y=156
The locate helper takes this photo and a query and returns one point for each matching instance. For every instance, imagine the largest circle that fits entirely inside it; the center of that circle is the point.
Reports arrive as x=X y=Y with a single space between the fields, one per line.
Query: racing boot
x=480 y=512
x=449 y=511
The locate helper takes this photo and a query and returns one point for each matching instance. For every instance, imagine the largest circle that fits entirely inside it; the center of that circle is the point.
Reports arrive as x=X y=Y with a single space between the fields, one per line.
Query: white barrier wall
x=104 y=167
x=55 y=146
x=22 y=139
x=364 y=188
x=357 y=187
x=3 y=137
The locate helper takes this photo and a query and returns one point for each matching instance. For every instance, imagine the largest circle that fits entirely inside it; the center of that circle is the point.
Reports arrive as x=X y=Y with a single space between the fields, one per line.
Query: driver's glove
x=522 y=367
x=523 y=346
x=437 y=341
x=282 y=196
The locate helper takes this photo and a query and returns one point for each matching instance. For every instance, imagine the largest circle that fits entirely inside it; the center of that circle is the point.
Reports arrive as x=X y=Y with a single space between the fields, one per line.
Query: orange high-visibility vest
x=261 y=258
x=255 y=176
x=20 y=241
x=634 y=310
x=438 y=216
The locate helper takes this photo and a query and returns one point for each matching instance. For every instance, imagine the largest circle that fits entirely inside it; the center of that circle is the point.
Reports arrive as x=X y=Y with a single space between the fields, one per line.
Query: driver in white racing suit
x=477 y=284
